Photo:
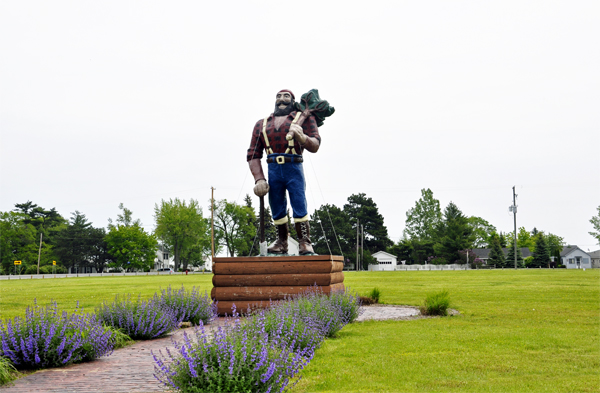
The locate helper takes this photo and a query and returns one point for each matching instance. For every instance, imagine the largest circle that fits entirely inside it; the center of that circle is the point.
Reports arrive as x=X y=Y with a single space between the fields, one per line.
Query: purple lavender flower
x=47 y=338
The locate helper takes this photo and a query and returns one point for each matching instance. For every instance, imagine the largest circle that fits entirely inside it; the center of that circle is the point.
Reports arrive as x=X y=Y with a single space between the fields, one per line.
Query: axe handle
x=262 y=219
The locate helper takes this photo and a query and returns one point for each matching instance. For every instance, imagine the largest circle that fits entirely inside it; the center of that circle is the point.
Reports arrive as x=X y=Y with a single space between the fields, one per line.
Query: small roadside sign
x=17 y=262
x=54 y=263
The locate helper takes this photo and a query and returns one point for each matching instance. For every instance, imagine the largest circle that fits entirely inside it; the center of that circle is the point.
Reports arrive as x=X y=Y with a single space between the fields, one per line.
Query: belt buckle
x=280 y=160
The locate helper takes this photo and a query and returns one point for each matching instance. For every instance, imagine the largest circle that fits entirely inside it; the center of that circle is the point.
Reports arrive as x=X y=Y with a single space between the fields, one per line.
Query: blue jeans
x=288 y=176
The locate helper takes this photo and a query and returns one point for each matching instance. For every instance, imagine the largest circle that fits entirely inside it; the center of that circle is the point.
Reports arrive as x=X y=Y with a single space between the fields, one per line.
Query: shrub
x=189 y=306
x=121 y=339
x=331 y=311
x=236 y=358
x=140 y=320
x=433 y=260
x=8 y=372
x=289 y=324
x=436 y=303
x=375 y=294
x=47 y=338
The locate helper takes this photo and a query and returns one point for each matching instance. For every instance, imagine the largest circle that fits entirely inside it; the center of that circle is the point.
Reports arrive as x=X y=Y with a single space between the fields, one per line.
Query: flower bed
x=265 y=353
x=49 y=338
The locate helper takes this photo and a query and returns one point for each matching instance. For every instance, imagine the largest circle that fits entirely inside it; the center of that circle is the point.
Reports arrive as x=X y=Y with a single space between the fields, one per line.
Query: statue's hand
x=297 y=133
x=261 y=188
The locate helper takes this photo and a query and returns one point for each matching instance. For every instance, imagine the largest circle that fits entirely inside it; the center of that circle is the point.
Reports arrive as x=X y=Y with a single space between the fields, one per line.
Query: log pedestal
x=253 y=281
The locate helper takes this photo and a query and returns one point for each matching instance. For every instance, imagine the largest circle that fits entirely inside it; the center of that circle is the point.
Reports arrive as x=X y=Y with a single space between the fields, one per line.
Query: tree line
x=431 y=235
x=30 y=233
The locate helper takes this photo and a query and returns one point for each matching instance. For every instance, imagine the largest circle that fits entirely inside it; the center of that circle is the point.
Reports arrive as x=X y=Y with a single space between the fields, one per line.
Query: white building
x=385 y=262
x=595 y=259
x=574 y=257
x=163 y=258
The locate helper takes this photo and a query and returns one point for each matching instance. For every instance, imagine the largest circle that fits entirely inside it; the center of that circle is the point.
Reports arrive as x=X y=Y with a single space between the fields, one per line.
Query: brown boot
x=303 y=232
x=281 y=245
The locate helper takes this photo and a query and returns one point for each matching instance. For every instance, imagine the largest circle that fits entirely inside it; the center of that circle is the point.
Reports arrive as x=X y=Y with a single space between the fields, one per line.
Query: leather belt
x=284 y=159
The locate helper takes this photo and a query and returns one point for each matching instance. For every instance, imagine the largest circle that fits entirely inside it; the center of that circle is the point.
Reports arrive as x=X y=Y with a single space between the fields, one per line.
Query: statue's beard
x=285 y=111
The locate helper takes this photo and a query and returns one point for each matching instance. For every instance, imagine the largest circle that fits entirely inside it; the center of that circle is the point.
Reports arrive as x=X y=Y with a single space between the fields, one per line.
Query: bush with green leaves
x=8 y=372
x=141 y=319
x=121 y=339
x=189 y=306
x=436 y=303
x=375 y=294
x=49 y=338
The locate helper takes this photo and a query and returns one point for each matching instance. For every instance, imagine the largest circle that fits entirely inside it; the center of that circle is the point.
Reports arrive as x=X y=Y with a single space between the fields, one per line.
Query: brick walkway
x=129 y=369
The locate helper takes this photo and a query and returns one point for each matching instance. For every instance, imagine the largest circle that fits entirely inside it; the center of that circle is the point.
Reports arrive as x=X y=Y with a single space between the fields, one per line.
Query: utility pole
x=39 y=253
x=362 y=244
x=357 y=229
x=513 y=208
x=212 y=223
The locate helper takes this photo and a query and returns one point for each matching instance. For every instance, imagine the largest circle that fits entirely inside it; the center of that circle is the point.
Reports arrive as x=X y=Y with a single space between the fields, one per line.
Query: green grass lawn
x=16 y=295
x=525 y=330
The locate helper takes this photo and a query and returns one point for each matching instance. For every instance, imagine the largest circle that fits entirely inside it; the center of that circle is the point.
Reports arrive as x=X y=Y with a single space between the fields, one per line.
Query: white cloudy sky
x=105 y=102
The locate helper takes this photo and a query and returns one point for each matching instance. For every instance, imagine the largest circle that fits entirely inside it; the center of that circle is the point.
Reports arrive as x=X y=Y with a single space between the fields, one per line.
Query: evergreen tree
x=496 y=256
x=331 y=231
x=364 y=209
x=456 y=234
x=510 y=258
x=80 y=244
x=541 y=254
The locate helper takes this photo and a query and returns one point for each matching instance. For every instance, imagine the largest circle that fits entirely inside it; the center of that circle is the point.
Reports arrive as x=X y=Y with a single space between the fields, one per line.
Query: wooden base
x=252 y=282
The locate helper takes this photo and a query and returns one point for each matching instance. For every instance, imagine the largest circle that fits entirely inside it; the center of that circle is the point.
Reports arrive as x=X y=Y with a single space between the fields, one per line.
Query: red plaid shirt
x=277 y=139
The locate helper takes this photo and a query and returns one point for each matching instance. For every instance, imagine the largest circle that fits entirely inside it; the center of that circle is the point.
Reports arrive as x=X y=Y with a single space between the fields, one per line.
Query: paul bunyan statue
x=285 y=134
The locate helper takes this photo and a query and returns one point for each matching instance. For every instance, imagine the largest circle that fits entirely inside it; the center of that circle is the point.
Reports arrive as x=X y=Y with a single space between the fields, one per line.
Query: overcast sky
x=103 y=102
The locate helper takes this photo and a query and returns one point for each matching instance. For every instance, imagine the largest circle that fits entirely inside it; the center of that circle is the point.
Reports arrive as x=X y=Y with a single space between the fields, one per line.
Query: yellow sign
x=17 y=262
x=54 y=263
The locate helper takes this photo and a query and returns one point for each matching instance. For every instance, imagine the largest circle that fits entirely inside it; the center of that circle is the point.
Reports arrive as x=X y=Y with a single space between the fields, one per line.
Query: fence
x=75 y=275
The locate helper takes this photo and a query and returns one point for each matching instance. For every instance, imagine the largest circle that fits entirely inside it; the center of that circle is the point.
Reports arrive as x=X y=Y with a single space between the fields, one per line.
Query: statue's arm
x=255 y=152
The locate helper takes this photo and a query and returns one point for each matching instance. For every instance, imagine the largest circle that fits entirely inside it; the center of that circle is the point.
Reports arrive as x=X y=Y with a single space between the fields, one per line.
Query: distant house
x=385 y=261
x=595 y=255
x=163 y=258
x=484 y=253
x=574 y=257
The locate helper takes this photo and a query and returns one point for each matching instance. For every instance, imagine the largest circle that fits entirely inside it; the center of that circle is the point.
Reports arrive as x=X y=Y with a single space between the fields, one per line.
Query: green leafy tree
x=482 y=230
x=183 y=228
x=129 y=245
x=456 y=232
x=235 y=226
x=555 y=245
x=47 y=224
x=595 y=221
x=524 y=239
x=413 y=251
x=510 y=257
x=17 y=242
x=331 y=231
x=364 y=209
x=541 y=254
x=496 y=256
x=423 y=220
